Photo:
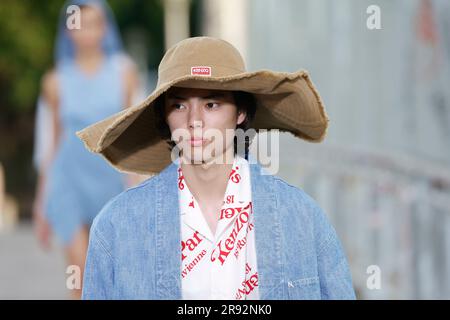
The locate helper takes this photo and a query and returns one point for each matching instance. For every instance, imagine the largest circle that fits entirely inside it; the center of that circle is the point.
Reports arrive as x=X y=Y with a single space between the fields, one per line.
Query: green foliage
x=28 y=30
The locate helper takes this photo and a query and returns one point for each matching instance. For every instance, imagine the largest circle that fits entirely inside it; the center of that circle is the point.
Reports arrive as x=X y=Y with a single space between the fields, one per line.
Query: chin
x=198 y=157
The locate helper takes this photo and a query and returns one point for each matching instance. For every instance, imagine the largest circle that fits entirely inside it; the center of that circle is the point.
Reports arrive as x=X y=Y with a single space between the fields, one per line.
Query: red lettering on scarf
x=226 y=246
x=230 y=199
x=180 y=179
x=229 y=213
x=189 y=267
x=234 y=176
x=241 y=243
x=190 y=244
x=247 y=286
x=191 y=204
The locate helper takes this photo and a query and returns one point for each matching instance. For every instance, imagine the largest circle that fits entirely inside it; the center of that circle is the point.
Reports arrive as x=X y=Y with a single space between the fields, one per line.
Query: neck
x=208 y=171
x=208 y=178
x=89 y=59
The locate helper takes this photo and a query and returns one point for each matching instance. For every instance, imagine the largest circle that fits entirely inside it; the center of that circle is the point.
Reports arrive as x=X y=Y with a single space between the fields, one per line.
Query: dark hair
x=244 y=101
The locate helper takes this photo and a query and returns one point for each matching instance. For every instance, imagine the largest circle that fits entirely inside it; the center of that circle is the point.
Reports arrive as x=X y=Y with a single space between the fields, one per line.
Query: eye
x=212 y=105
x=178 y=106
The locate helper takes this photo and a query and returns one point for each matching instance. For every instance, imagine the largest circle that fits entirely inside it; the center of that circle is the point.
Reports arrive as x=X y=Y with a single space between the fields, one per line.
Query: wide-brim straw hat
x=130 y=141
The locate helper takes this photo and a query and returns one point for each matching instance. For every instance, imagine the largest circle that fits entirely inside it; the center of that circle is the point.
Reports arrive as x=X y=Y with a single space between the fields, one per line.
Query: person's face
x=93 y=27
x=206 y=119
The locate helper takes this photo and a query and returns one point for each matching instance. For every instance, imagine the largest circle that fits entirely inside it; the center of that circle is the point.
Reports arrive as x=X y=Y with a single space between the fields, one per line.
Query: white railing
x=389 y=210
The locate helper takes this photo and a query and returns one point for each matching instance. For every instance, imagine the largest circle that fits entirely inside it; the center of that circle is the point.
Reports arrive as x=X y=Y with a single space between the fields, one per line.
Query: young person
x=92 y=79
x=212 y=223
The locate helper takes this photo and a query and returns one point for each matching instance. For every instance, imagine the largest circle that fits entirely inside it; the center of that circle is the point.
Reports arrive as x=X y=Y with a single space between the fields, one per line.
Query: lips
x=196 y=141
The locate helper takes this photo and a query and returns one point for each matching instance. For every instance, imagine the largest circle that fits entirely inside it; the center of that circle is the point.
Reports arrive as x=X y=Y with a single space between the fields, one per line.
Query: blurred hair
x=111 y=43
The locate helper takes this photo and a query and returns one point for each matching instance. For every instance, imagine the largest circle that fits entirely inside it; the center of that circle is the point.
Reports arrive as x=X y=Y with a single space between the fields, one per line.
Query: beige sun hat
x=130 y=142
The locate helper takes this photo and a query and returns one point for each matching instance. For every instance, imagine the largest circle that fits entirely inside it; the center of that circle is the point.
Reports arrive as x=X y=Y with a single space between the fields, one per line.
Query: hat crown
x=202 y=56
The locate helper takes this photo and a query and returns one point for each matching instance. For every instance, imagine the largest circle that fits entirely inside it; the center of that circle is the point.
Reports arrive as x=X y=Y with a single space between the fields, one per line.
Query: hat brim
x=130 y=142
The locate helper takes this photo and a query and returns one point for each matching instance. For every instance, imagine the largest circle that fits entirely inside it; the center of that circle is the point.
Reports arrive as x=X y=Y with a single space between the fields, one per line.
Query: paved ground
x=26 y=270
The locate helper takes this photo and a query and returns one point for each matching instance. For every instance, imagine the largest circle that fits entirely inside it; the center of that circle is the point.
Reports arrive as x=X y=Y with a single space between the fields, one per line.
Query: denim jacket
x=135 y=244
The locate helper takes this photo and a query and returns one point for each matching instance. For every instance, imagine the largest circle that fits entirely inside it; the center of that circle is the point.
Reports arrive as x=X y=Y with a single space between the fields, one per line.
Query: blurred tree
x=26 y=49
x=27 y=32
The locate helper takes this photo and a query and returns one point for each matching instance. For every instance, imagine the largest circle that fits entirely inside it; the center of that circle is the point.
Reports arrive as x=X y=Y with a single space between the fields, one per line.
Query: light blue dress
x=80 y=182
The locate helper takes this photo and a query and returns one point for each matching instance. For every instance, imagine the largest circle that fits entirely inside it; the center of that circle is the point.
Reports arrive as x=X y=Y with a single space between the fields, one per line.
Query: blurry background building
x=382 y=174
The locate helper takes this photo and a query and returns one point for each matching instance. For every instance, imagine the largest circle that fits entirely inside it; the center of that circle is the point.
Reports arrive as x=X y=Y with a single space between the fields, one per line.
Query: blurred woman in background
x=91 y=80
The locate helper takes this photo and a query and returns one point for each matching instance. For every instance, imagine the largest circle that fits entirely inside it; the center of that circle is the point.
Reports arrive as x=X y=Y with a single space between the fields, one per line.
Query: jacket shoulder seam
x=99 y=239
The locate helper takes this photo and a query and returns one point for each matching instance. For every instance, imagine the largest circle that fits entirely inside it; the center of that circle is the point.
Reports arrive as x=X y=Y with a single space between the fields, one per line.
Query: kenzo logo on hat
x=201 y=71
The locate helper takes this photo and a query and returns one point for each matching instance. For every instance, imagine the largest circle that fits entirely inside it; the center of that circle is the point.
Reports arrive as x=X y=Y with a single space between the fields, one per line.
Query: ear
x=241 y=117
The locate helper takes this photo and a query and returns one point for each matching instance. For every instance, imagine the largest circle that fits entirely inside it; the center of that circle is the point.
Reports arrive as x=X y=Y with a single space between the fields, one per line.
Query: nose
x=195 y=115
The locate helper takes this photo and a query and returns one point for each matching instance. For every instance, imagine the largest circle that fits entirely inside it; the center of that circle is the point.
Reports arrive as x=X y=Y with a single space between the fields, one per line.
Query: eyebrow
x=210 y=96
